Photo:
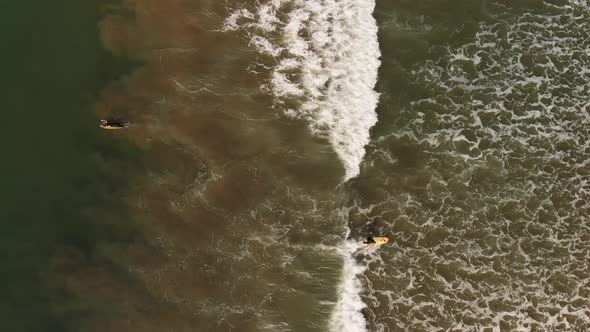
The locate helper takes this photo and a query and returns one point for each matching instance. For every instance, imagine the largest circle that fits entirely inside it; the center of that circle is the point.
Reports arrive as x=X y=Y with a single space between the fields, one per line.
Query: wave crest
x=327 y=59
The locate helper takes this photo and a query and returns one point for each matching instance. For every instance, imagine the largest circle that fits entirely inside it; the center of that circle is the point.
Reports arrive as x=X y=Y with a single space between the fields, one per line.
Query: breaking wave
x=347 y=315
x=325 y=62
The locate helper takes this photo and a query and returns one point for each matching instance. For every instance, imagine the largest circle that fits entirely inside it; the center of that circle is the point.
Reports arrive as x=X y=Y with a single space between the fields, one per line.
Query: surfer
x=375 y=241
x=104 y=124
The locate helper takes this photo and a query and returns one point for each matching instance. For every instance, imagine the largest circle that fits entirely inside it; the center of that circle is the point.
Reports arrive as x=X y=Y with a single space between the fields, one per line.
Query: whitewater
x=325 y=60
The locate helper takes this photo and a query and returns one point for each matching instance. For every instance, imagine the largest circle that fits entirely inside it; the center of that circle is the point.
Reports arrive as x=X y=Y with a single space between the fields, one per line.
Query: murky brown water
x=226 y=194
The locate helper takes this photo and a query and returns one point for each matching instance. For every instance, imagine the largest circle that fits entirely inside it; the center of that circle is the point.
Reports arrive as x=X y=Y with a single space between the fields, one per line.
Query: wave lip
x=327 y=60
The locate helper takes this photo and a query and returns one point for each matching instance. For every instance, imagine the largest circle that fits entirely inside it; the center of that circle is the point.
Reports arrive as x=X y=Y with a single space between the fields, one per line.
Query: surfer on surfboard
x=104 y=124
x=376 y=241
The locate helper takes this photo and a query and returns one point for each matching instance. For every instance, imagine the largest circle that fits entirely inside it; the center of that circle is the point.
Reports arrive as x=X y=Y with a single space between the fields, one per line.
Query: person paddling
x=104 y=124
x=375 y=241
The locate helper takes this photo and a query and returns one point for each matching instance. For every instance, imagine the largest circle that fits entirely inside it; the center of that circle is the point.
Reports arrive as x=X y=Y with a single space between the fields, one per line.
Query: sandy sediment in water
x=213 y=149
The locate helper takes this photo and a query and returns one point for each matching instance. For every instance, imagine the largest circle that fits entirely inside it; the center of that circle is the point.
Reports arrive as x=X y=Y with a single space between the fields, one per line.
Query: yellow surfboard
x=112 y=128
x=377 y=241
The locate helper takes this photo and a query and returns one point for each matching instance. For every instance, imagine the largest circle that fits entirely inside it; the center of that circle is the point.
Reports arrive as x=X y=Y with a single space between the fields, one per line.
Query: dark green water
x=58 y=168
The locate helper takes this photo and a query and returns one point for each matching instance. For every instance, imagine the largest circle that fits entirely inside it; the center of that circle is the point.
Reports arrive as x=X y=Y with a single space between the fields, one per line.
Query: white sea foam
x=347 y=316
x=327 y=57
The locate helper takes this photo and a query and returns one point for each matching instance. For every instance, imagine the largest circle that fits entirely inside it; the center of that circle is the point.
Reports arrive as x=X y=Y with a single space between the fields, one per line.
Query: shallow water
x=478 y=168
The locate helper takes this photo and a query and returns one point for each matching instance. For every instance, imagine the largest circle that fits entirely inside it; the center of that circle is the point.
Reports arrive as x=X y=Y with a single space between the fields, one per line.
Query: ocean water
x=478 y=168
x=270 y=137
x=61 y=176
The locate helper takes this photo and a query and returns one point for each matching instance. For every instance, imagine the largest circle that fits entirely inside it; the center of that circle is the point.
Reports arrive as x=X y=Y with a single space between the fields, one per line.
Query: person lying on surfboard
x=376 y=241
x=104 y=124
